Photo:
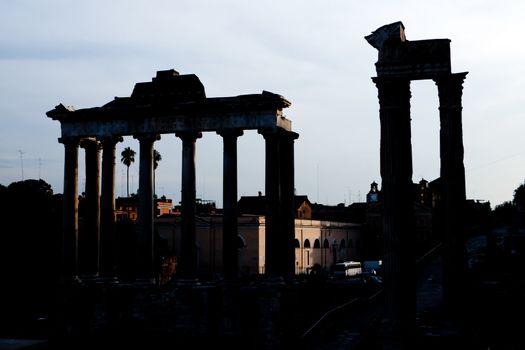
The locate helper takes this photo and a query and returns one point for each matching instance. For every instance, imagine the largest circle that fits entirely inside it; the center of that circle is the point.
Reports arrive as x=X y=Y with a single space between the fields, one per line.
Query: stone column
x=187 y=266
x=273 y=252
x=229 y=195
x=287 y=202
x=453 y=197
x=397 y=211
x=70 y=210
x=145 y=267
x=88 y=238
x=107 y=249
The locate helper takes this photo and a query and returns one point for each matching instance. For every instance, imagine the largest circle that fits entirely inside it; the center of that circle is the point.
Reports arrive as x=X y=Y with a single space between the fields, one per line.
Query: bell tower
x=373 y=195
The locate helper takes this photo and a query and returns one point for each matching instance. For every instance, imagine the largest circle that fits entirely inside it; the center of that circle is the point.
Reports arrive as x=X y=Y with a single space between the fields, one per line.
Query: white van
x=347 y=269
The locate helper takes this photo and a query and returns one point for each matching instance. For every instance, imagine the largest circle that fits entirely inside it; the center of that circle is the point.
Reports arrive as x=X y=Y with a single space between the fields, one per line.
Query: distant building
x=373 y=195
x=304 y=209
x=126 y=208
x=256 y=205
x=317 y=243
x=426 y=196
x=163 y=206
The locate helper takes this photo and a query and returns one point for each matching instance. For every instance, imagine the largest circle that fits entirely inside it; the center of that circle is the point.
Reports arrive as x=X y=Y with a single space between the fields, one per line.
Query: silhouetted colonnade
x=401 y=61
x=176 y=104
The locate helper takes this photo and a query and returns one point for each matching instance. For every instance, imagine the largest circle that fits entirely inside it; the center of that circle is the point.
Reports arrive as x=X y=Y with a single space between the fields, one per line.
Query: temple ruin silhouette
x=174 y=104
x=177 y=104
x=399 y=62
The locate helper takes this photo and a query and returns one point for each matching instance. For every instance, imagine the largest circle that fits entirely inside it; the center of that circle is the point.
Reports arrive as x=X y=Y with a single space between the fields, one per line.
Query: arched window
x=343 y=244
x=306 y=243
x=241 y=242
x=326 y=244
x=297 y=244
x=317 y=244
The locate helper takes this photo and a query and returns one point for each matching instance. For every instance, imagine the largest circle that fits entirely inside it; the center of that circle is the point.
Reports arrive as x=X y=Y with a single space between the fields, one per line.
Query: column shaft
x=287 y=202
x=230 y=249
x=453 y=195
x=145 y=267
x=397 y=209
x=107 y=243
x=187 y=266
x=70 y=211
x=89 y=236
x=273 y=242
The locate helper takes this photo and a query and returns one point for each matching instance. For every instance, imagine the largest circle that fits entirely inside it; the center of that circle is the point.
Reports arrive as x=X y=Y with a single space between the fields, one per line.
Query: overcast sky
x=84 y=53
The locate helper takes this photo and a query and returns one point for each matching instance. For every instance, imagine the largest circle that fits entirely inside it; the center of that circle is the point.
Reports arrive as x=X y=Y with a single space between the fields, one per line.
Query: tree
x=128 y=157
x=156 y=159
x=504 y=214
x=519 y=202
x=519 y=195
x=30 y=215
x=511 y=213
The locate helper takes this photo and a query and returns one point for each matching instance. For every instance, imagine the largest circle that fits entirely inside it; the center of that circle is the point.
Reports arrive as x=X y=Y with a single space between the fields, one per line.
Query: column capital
x=230 y=132
x=189 y=135
x=89 y=143
x=69 y=140
x=147 y=136
x=390 y=80
x=456 y=78
x=110 y=139
x=450 y=89
x=272 y=132
x=393 y=92
x=268 y=131
x=292 y=136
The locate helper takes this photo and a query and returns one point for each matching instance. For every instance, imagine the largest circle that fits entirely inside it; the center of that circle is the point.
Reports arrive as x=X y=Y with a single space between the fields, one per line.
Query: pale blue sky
x=84 y=53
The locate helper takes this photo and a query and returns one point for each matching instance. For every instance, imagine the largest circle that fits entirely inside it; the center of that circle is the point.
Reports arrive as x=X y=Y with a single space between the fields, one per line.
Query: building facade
x=318 y=244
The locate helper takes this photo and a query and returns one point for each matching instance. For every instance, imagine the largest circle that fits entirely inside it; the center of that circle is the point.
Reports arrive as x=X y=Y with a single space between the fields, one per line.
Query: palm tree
x=128 y=157
x=156 y=159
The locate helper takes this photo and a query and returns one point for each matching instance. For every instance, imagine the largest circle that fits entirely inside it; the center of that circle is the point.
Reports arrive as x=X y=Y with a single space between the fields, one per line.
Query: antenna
x=317 y=182
x=203 y=186
x=22 y=162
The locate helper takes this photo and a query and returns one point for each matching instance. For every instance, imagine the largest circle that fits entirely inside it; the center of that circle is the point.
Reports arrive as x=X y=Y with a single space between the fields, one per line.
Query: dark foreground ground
x=305 y=314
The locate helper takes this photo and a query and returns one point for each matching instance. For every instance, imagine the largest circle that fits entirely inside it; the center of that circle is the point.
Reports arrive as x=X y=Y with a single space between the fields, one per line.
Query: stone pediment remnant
x=401 y=58
x=389 y=32
x=170 y=103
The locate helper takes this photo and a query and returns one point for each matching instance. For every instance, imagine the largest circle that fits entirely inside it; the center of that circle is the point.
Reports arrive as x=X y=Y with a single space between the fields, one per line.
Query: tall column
x=273 y=240
x=70 y=210
x=287 y=174
x=229 y=195
x=107 y=249
x=187 y=266
x=145 y=267
x=88 y=238
x=453 y=197
x=397 y=211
